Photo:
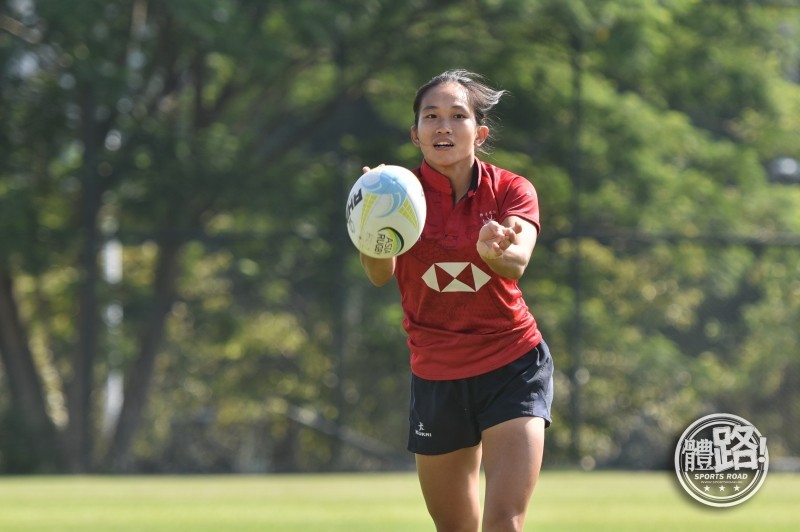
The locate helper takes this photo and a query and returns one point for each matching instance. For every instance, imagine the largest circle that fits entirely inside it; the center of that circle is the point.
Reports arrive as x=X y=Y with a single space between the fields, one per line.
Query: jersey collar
x=441 y=183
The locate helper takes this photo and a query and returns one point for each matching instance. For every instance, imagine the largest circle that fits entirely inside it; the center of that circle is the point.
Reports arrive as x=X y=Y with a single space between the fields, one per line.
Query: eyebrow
x=456 y=107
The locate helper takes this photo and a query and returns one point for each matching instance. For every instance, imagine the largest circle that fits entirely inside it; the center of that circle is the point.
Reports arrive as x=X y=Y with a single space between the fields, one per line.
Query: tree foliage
x=217 y=139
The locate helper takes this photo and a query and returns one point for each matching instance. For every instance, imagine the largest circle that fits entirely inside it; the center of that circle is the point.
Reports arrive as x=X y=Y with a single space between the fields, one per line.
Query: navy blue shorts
x=449 y=415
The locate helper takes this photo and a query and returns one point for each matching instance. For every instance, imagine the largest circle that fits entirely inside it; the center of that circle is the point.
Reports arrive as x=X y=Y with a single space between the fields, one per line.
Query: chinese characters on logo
x=731 y=448
x=721 y=460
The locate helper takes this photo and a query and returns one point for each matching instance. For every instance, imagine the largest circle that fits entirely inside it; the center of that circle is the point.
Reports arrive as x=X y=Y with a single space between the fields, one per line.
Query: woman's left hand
x=494 y=239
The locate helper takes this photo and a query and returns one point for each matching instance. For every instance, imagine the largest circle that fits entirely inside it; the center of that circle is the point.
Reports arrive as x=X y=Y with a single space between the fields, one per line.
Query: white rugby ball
x=386 y=211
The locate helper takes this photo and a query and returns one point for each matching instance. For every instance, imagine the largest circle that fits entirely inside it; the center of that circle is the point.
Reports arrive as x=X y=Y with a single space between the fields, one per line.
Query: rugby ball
x=386 y=211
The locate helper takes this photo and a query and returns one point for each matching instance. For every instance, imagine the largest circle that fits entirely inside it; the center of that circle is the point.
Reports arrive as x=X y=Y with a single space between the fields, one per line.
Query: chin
x=447 y=160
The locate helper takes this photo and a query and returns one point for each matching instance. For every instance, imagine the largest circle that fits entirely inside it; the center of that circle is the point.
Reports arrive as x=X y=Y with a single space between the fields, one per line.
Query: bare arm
x=506 y=248
x=379 y=271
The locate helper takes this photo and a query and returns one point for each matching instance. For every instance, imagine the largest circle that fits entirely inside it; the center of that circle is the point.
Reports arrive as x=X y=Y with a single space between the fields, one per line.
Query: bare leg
x=512 y=455
x=451 y=487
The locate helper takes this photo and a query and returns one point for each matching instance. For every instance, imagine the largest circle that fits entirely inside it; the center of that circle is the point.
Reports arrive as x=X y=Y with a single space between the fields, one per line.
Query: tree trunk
x=29 y=442
x=141 y=372
x=79 y=434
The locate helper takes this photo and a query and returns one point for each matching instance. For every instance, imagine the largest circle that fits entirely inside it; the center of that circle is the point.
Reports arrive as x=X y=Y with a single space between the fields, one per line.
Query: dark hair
x=481 y=97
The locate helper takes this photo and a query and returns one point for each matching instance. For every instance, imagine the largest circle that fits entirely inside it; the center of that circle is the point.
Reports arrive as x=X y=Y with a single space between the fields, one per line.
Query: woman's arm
x=379 y=271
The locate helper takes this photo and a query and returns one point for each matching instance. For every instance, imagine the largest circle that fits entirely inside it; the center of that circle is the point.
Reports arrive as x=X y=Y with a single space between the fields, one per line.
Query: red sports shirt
x=463 y=319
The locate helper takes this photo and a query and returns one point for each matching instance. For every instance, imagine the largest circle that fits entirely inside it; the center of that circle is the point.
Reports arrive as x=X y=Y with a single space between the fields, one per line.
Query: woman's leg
x=512 y=458
x=451 y=486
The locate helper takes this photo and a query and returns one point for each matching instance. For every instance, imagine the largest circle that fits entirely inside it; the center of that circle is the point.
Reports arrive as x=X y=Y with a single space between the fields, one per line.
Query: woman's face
x=447 y=131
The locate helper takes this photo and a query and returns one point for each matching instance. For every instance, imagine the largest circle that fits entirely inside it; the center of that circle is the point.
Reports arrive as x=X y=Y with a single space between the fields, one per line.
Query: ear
x=414 y=136
x=481 y=135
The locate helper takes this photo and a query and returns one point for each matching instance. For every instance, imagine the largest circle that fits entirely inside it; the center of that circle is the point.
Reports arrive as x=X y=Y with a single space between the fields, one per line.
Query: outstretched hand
x=494 y=239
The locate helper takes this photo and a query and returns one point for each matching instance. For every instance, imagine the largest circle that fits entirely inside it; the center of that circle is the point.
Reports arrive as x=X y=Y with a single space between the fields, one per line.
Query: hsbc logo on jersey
x=455 y=277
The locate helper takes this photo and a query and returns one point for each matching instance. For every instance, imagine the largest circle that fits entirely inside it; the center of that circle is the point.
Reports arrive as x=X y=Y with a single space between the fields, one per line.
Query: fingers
x=489 y=250
x=494 y=238
x=510 y=234
x=365 y=169
x=512 y=231
x=491 y=229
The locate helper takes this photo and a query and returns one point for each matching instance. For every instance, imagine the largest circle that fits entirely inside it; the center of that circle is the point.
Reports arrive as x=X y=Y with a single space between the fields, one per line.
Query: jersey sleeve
x=520 y=200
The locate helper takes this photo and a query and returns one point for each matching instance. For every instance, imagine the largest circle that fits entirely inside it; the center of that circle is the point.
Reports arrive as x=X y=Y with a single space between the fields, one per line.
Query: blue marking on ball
x=387 y=184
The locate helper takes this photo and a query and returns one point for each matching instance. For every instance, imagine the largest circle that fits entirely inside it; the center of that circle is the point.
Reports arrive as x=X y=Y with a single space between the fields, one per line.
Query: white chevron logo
x=455 y=277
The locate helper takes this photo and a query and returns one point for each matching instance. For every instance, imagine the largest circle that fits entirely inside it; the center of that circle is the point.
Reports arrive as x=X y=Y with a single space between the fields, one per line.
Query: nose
x=443 y=127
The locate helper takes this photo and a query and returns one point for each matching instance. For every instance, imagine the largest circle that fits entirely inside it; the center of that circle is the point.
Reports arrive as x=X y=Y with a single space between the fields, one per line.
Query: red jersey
x=463 y=319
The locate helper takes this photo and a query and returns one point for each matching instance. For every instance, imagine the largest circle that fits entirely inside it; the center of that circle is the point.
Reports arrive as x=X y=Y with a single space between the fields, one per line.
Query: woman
x=481 y=373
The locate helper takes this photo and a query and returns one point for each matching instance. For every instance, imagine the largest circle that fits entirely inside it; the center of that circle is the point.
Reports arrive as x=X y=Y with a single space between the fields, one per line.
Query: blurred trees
x=217 y=139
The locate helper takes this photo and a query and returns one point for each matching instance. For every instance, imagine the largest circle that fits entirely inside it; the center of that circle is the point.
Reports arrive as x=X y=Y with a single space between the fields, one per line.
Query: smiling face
x=447 y=131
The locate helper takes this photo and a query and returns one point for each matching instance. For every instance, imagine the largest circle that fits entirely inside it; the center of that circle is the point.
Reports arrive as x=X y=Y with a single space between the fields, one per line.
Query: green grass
x=369 y=502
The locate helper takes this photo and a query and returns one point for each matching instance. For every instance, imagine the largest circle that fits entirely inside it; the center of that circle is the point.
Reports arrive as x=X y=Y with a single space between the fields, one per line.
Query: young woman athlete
x=481 y=373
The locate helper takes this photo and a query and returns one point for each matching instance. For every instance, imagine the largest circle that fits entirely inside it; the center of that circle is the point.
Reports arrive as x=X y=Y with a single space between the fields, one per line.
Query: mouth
x=443 y=145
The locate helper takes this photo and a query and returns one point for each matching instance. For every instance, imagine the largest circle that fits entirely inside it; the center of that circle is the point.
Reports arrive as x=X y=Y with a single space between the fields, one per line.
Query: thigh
x=451 y=486
x=512 y=458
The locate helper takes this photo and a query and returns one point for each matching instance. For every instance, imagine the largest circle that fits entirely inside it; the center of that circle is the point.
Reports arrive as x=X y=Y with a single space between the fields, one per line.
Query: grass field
x=563 y=501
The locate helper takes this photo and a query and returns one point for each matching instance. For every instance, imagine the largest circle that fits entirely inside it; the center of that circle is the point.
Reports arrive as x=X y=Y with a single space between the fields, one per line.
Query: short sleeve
x=519 y=199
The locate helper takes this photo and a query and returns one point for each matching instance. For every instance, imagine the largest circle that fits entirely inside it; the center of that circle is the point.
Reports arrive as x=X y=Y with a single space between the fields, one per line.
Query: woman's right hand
x=365 y=169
